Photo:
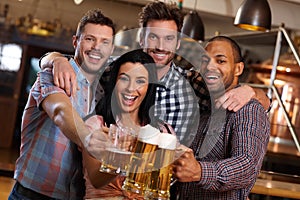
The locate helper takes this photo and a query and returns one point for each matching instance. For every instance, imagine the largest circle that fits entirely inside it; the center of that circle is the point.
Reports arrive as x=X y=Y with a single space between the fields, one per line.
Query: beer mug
x=159 y=184
x=142 y=160
x=117 y=155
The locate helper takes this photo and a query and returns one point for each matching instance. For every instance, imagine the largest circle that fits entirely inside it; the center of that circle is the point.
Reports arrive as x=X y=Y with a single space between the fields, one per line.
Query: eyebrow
x=221 y=55
x=159 y=36
x=123 y=73
x=102 y=37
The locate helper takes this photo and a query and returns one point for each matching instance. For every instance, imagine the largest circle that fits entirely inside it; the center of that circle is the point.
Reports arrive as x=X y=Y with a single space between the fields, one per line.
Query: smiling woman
x=131 y=87
x=129 y=99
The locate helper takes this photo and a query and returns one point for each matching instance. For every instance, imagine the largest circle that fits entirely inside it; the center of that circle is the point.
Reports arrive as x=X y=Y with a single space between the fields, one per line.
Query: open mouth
x=129 y=99
x=212 y=77
x=94 y=56
x=160 y=55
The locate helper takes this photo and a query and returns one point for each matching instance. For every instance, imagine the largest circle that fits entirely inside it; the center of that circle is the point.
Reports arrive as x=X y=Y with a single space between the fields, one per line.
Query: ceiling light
x=77 y=2
x=193 y=27
x=254 y=15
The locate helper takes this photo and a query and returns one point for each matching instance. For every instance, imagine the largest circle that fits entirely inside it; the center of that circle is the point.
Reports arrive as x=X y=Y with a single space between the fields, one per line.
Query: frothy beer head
x=149 y=134
x=167 y=141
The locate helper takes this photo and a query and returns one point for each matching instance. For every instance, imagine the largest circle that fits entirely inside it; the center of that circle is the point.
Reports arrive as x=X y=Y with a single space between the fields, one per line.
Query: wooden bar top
x=277 y=148
x=279 y=185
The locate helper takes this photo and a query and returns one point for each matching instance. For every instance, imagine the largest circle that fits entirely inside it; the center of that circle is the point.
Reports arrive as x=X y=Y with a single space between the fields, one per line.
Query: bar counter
x=278 y=184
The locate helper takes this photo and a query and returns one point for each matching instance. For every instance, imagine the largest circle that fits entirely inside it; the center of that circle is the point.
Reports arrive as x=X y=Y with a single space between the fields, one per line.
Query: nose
x=211 y=66
x=160 y=44
x=97 y=44
x=131 y=86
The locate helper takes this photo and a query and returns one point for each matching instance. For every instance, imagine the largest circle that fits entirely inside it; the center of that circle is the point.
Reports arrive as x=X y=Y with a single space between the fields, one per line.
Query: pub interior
x=31 y=28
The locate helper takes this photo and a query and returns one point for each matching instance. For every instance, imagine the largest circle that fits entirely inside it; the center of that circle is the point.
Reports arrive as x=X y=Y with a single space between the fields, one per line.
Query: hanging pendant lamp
x=193 y=27
x=77 y=2
x=254 y=15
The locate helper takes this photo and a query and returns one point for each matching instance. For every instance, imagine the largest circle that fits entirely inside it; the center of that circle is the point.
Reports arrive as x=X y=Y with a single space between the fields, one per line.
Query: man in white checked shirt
x=176 y=102
x=181 y=90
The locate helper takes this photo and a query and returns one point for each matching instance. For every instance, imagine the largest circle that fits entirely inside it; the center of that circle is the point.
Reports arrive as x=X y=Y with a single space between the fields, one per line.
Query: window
x=10 y=57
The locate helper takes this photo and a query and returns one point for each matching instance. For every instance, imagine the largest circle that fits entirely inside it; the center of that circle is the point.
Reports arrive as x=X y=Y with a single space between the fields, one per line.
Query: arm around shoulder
x=46 y=61
x=261 y=96
x=64 y=75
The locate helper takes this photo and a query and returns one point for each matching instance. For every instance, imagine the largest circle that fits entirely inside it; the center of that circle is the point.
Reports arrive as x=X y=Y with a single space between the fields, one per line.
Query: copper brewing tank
x=288 y=84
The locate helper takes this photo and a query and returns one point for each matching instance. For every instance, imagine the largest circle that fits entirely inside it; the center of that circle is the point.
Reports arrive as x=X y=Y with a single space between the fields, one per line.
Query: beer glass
x=117 y=155
x=142 y=160
x=158 y=186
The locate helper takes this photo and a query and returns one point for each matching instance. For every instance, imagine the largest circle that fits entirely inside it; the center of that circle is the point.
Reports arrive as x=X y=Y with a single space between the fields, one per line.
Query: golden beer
x=142 y=161
x=160 y=179
x=139 y=168
x=158 y=186
x=115 y=161
x=116 y=157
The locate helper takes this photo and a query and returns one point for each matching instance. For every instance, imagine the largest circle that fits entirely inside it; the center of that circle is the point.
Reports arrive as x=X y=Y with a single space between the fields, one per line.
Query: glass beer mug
x=158 y=186
x=117 y=156
x=142 y=160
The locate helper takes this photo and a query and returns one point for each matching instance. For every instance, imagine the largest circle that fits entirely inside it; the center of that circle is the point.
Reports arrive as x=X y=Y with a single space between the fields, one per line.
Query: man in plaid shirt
x=50 y=164
x=227 y=152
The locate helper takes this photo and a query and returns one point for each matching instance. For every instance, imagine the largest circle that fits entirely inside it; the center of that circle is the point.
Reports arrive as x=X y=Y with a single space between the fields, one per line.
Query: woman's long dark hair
x=108 y=106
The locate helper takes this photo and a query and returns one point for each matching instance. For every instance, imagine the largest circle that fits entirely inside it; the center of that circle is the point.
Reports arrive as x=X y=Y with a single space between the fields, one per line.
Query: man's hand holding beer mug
x=97 y=141
x=186 y=168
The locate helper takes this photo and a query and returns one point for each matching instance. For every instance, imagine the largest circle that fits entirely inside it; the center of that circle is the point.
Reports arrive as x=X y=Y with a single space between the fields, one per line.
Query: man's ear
x=239 y=68
x=178 y=44
x=142 y=39
x=74 y=38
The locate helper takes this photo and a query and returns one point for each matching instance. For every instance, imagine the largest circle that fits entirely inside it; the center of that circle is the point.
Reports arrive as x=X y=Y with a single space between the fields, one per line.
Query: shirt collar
x=79 y=74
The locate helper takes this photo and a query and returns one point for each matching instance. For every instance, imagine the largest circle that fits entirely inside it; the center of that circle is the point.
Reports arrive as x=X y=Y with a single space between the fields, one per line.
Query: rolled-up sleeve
x=44 y=86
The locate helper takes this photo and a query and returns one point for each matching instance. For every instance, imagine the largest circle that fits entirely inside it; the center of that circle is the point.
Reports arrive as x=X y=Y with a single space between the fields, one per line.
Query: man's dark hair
x=94 y=16
x=237 y=53
x=161 y=11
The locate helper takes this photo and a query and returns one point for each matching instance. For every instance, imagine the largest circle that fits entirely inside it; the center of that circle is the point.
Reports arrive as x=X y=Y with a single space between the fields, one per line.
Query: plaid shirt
x=49 y=162
x=230 y=160
x=177 y=104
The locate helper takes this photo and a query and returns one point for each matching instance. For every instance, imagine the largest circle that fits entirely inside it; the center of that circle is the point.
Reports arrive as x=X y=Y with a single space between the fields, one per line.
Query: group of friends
x=224 y=125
